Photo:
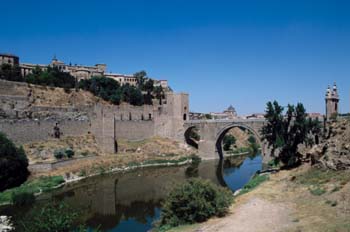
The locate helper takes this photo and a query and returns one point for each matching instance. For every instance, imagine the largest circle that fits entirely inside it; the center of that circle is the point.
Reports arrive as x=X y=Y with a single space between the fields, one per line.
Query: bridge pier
x=207 y=150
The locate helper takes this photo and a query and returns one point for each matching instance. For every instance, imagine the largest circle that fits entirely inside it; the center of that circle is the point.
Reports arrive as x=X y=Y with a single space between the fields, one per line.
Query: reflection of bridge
x=212 y=133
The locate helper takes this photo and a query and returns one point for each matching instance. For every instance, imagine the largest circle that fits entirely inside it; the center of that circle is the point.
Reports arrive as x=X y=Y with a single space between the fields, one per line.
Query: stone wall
x=25 y=122
x=26 y=131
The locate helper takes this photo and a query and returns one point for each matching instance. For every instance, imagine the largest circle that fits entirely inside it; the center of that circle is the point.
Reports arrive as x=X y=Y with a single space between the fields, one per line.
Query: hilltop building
x=332 y=100
x=80 y=72
x=229 y=113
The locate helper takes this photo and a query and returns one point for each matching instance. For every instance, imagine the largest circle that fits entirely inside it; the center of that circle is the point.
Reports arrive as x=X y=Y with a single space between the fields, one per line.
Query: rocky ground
x=334 y=152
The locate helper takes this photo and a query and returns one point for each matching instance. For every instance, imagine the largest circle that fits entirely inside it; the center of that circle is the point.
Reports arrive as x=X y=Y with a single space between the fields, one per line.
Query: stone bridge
x=212 y=133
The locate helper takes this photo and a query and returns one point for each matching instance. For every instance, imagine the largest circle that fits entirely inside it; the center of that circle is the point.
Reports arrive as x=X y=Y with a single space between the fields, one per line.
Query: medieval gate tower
x=332 y=100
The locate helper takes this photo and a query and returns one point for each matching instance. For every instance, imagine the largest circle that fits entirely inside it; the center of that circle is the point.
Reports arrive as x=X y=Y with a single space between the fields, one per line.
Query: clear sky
x=243 y=53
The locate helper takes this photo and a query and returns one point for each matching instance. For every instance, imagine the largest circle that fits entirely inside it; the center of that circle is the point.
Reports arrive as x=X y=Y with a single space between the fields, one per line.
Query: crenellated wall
x=25 y=122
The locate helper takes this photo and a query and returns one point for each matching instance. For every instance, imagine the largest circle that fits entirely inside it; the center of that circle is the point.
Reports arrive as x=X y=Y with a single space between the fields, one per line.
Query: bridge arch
x=222 y=132
x=189 y=136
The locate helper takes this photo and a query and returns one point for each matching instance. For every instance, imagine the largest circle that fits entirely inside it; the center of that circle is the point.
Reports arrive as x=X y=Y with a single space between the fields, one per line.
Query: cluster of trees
x=106 y=88
x=13 y=164
x=10 y=72
x=110 y=90
x=284 y=132
x=52 y=76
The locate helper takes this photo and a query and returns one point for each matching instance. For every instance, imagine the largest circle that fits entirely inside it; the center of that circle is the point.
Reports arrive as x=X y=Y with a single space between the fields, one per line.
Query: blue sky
x=243 y=53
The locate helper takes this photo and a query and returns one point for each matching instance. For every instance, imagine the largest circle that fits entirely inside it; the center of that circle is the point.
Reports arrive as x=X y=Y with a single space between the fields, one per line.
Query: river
x=131 y=201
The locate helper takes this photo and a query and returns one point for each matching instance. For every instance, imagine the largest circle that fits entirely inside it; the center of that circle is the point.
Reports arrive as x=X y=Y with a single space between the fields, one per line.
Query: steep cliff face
x=334 y=152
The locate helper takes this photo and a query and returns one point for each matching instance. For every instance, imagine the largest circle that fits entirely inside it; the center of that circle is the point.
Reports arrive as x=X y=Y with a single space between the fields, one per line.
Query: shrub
x=22 y=198
x=317 y=191
x=13 y=164
x=69 y=153
x=194 y=201
x=59 y=154
x=49 y=218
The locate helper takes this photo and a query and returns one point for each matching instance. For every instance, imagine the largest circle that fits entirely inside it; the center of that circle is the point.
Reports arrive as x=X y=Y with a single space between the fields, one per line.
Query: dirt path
x=256 y=215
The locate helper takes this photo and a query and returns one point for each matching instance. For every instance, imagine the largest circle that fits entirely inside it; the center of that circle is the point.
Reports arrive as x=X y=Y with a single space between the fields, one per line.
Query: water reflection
x=131 y=201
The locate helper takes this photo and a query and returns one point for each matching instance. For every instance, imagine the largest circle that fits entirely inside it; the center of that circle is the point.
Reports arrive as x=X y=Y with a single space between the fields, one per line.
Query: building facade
x=80 y=72
x=9 y=59
x=229 y=113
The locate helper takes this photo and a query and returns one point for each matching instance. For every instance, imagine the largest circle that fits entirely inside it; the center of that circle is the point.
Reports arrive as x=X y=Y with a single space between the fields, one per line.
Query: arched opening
x=192 y=136
x=185 y=117
x=226 y=142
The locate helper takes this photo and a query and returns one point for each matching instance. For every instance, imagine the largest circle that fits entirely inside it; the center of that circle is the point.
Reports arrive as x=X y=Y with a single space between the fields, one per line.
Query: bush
x=49 y=218
x=59 y=154
x=69 y=153
x=13 y=164
x=194 y=201
x=22 y=198
x=41 y=184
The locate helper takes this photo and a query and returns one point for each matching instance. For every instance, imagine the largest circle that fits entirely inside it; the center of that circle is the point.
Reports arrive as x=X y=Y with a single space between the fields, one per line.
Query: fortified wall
x=24 y=121
x=111 y=123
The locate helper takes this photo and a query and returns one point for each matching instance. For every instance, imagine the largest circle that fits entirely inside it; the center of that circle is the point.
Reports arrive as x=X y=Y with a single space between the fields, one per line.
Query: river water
x=131 y=201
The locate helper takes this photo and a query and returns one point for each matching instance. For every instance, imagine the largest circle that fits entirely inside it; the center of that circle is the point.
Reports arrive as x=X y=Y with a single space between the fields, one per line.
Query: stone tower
x=332 y=100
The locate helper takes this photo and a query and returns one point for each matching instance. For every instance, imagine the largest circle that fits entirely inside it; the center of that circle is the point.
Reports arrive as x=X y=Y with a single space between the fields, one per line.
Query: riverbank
x=155 y=152
x=42 y=184
x=303 y=199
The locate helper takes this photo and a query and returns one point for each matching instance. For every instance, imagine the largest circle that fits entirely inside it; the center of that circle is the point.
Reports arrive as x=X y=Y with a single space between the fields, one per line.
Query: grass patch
x=44 y=184
x=318 y=191
x=315 y=176
x=253 y=183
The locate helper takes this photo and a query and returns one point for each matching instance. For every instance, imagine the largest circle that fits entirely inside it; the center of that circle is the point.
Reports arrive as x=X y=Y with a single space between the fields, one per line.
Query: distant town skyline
x=222 y=53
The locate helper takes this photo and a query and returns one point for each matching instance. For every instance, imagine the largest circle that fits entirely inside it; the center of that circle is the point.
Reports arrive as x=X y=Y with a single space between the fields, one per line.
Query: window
x=150 y=116
x=185 y=117
x=142 y=118
x=130 y=118
x=121 y=117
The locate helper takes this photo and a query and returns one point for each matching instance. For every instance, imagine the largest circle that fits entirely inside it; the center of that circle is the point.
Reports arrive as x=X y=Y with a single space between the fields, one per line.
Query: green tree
x=208 y=116
x=284 y=133
x=136 y=97
x=10 y=72
x=149 y=85
x=140 y=78
x=13 y=164
x=228 y=141
x=52 y=76
x=159 y=93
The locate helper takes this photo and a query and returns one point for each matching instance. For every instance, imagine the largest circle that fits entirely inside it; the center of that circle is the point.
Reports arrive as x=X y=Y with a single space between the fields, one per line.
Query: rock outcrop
x=334 y=152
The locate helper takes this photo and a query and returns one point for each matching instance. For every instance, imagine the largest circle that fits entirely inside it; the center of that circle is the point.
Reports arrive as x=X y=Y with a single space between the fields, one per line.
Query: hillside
x=46 y=96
